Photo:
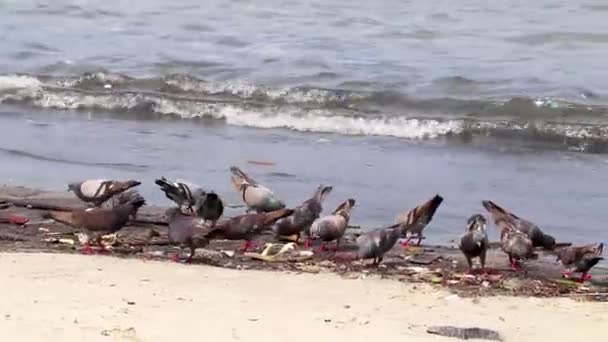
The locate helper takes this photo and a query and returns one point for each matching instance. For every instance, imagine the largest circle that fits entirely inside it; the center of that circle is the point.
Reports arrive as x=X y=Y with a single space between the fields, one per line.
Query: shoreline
x=439 y=265
x=75 y=297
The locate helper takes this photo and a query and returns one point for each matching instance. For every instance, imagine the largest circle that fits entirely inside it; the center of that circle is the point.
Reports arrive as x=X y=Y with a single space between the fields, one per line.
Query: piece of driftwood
x=465 y=333
x=144 y=242
x=424 y=260
x=144 y=221
x=10 y=237
x=497 y=244
x=39 y=205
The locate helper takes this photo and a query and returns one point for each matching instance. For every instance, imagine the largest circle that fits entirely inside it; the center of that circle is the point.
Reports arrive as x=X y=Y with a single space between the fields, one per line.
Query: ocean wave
x=574 y=126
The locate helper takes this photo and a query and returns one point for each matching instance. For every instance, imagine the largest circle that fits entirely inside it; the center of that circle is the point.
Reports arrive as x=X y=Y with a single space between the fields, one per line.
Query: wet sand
x=98 y=298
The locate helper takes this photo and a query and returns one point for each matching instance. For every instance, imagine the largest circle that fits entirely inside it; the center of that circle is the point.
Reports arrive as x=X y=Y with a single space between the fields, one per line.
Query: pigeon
x=332 y=227
x=517 y=245
x=183 y=193
x=303 y=215
x=257 y=197
x=102 y=221
x=246 y=227
x=186 y=231
x=418 y=218
x=210 y=207
x=474 y=242
x=98 y=191
x=502 y=216
x=580 y=259
x=374 y=244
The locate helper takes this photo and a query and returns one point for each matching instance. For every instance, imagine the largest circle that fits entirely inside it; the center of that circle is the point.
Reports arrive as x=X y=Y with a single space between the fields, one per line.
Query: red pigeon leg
x=406 y=243
x=585 y=276
x=175 y=257
x=245 y=246
x=87 y=249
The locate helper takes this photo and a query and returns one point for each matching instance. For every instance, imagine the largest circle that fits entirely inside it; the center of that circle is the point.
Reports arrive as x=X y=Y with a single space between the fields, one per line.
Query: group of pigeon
x=197 y=219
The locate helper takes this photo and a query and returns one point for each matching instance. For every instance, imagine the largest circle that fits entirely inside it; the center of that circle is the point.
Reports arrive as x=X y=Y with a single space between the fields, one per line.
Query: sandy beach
x=97 y=298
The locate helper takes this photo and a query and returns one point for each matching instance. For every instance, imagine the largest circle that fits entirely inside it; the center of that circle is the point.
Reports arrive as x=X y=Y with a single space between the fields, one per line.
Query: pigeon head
x=212 y=196
x=72 y=186
x=476 y=222
x=548 y=242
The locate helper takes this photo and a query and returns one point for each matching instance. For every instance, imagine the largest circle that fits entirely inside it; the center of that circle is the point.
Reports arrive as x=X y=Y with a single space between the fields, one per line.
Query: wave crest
x=309 y=109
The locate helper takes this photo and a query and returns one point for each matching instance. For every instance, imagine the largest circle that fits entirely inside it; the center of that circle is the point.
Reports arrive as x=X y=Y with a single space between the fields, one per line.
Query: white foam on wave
x=238 y=88
x=8 y=82
x=293 y=118
x=248 y=90
x=320 y=121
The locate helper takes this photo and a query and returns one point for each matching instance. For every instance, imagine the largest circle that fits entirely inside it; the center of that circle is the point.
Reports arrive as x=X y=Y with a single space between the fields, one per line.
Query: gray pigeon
x=303 y=216
x=374 y=244
x=247 y=227
x=474 y=242
x=209 y=207
x=517 y=245
x=183 y=193
x=186 y=231
x=98 y=191
x=257 y=197
x=501 y=216
x=580 y=259
x=102 y=221
x=332 y=227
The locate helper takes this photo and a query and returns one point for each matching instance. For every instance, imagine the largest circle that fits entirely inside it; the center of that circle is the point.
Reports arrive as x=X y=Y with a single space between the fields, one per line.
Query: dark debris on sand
x=444 y=266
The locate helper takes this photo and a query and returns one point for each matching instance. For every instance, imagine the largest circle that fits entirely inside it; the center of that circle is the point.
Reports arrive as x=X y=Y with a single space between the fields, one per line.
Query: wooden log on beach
x=147 y=221
x=39 y=205
x=496 y=245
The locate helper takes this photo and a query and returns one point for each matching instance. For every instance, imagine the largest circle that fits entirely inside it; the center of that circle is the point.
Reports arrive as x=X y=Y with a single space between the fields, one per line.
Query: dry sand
x=95 y=298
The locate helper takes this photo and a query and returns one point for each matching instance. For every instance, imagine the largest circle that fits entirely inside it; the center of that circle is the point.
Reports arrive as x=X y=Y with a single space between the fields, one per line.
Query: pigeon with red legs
x=332 y=227
x=374 y=244
x=246 y=227
x=303 y=215
x=580 y=259
x=418 y=218
x=503 y=217
x=474 y=242
x=186 y=231
x=516 y=245
x=102 y=221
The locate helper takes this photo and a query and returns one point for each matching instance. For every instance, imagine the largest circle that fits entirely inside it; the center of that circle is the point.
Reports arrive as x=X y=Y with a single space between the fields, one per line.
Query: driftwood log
x=39 y=205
